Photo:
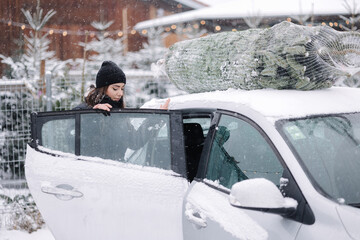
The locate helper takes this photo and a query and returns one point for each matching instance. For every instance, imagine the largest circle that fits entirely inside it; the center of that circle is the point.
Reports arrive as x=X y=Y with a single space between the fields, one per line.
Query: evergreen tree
x=151 y=52
x=37 y=45
x=104 y=47
x=15 y=120
x=354 y=18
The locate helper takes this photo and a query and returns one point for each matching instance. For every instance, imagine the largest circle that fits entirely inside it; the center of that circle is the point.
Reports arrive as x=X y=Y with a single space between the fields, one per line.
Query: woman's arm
x=165 y=106
x=103 y=106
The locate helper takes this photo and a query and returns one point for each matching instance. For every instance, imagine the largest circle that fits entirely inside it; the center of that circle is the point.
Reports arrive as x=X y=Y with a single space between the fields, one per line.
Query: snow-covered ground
x=42 y=234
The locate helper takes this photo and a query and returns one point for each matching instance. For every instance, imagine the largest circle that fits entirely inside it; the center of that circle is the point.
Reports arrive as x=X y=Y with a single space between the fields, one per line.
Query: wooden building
x=72 y=22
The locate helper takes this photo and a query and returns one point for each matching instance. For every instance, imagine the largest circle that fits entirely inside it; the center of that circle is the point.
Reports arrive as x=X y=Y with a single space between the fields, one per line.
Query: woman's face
x=115 y=91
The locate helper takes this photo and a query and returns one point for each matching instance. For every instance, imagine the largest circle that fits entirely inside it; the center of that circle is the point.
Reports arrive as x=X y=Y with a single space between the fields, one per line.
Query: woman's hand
x=103 y=106
x=165 y=106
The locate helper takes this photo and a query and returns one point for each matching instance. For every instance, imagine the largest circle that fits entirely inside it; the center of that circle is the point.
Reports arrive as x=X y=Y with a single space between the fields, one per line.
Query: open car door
x=120 y=176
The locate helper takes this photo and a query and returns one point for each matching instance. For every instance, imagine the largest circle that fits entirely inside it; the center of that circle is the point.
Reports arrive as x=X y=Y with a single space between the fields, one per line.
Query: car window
x=203 y=121
x=59 y=134
x=137 y=138
x=239 y=151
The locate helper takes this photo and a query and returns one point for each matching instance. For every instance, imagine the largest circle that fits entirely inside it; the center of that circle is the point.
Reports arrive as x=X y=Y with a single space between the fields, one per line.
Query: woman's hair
x=96 y=95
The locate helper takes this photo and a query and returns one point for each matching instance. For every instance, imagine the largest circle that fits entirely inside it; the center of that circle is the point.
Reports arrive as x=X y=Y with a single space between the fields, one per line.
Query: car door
x=237 y=150
x=89 y=183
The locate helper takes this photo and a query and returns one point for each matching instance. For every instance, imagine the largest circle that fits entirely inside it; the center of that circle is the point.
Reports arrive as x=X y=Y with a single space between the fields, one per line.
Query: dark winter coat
x=110 y=137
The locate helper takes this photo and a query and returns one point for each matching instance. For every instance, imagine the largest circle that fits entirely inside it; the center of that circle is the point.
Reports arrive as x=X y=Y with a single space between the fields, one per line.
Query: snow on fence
x=18 y=98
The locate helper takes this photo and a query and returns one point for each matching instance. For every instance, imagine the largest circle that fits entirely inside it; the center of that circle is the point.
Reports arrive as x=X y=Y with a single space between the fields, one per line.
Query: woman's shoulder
x=82 y=106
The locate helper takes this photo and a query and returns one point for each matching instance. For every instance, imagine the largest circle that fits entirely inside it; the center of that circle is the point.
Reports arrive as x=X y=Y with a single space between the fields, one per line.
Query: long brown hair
x=96 y=95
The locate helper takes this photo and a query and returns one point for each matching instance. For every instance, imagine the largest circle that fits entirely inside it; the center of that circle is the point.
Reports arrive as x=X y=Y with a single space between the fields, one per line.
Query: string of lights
x=65 y=32
x=91 y=33
x=120 y=33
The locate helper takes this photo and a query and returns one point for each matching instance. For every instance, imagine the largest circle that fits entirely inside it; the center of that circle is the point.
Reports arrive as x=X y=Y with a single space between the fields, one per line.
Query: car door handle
x=195 y=218
x=63 y=191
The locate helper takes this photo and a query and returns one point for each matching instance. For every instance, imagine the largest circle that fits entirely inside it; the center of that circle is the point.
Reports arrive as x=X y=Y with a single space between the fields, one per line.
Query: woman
x=116 y=138
x=109 y=90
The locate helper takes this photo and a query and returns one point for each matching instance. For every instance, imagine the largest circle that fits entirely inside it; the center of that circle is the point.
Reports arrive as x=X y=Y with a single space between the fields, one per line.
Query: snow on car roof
x=273 y=104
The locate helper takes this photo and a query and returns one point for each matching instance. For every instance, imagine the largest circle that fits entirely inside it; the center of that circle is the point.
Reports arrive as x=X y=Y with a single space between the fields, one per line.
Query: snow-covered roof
x=213 y=2
x=273 y=104
x=192 y=3
x=251 y=8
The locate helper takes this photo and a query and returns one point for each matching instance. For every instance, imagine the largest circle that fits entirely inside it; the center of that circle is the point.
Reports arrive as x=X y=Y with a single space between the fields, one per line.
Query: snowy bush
x=15 y=127
x=21 y=213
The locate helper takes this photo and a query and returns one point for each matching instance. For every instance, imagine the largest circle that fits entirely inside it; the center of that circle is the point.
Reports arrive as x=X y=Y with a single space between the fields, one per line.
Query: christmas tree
x=285 y=56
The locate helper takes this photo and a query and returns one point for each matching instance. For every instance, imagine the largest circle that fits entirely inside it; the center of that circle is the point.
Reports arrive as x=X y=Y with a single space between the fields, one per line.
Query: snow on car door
x=108 y=177
x=236 y=151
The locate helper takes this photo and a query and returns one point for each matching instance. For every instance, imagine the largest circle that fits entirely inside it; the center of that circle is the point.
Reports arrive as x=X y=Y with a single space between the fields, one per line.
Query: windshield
x=328 y=147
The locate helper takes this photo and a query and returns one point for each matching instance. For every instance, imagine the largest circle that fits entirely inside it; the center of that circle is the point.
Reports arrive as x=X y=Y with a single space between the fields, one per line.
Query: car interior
x=195 y=130
x=194 y=143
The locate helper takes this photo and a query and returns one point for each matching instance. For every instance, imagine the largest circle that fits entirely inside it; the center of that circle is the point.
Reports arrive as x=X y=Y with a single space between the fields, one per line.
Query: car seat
x=194 y=142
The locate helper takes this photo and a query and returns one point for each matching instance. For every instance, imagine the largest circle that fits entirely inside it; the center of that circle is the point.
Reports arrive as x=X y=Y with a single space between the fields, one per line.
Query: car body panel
x=350 y=217
x=228 y=222
x=115 y=198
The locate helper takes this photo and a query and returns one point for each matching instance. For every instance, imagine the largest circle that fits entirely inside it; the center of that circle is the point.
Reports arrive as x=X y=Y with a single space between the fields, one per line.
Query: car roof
x=274 y=104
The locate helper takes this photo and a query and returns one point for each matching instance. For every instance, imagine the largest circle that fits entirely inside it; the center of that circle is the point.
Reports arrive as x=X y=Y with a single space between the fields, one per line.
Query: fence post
x=48 y=91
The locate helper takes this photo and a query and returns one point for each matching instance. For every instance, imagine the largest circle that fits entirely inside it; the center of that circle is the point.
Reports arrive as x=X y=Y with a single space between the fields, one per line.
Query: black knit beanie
x=108 y=74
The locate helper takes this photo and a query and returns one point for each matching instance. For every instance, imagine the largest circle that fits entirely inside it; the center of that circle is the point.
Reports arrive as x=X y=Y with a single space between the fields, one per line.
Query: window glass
x=203 y=121
x=329 y=149
x=141 y=139
x=59 y=135
x=239 y=151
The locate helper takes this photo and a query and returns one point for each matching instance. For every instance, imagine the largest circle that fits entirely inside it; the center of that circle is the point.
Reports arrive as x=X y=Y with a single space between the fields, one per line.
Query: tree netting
x=285 y=56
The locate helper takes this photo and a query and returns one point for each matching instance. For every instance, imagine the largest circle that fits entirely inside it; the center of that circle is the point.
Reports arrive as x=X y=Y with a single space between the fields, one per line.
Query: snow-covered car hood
x=350 y=217
x=273 y=104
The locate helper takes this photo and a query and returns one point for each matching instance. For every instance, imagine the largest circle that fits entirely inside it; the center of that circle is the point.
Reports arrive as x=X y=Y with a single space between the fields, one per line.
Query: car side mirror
x=261 y=194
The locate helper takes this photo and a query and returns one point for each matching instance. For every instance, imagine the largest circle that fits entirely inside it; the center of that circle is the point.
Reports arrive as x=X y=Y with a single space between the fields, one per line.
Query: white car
x=259 y=164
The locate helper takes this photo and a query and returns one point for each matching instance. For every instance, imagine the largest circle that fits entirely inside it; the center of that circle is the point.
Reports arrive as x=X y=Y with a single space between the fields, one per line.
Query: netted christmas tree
x=285 y=56
x=352 y=21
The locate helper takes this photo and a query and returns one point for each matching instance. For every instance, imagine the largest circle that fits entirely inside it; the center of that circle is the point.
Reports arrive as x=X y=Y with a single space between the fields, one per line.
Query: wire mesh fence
x=18 y=98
